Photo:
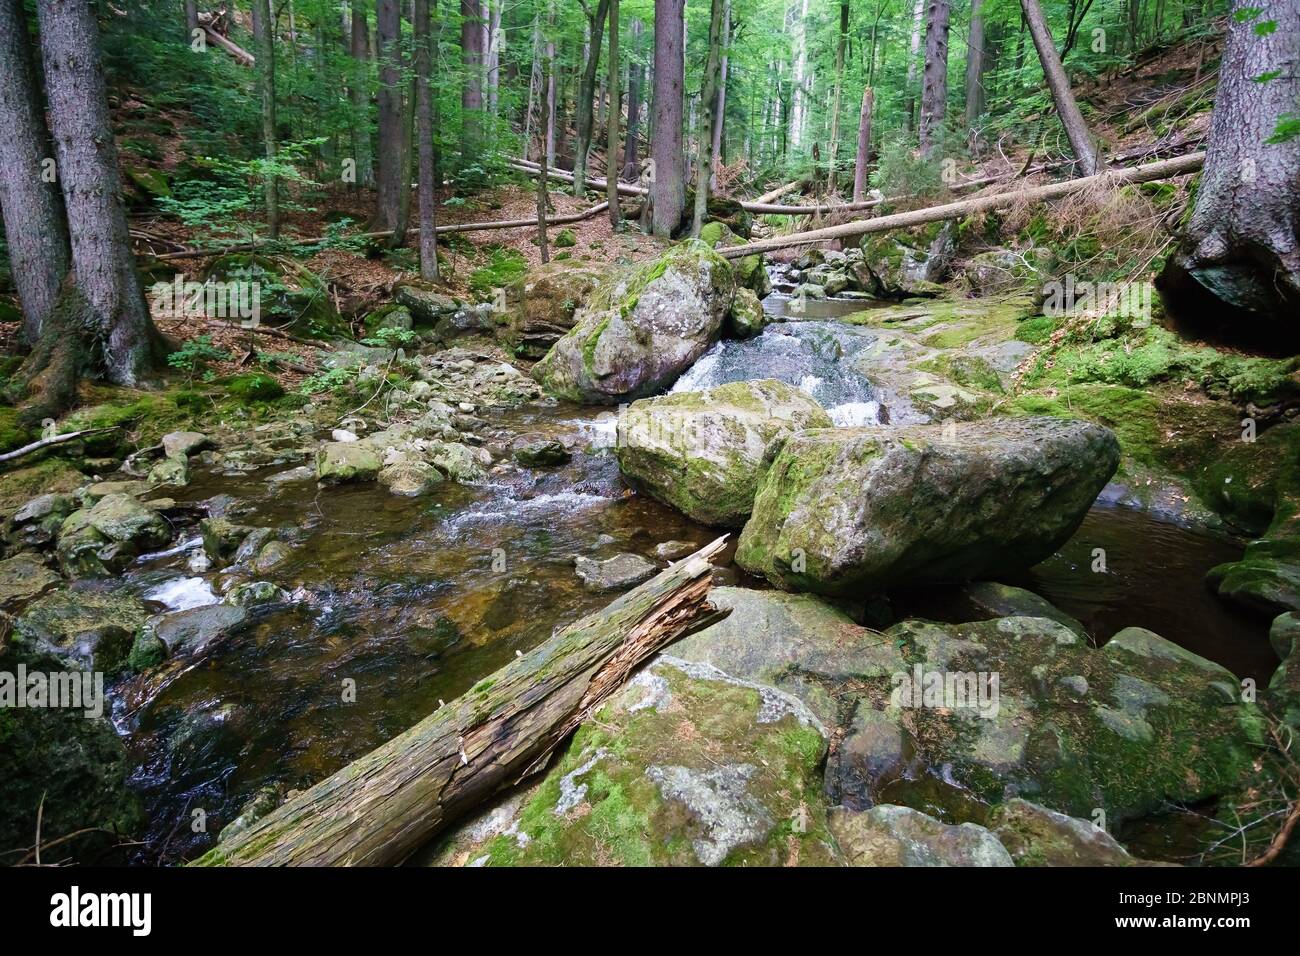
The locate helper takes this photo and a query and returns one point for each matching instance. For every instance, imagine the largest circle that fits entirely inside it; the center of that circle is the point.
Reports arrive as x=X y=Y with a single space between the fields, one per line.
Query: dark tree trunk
x=1076 y=130
x=975 y=66
x=611 y=141
x=864 y=146
x=1238 y=264
x=191 y=18
x=934 y=77
x=839 y=87
x=667 y=193
x=547 y=113
x=29 y=198
x=265 y=28
x=471 y=94
x=107 y=318
x=388 y=32
x=424 y=124
x=709 y=104
x=361 y=95
x=630 y=162
x=586 y=91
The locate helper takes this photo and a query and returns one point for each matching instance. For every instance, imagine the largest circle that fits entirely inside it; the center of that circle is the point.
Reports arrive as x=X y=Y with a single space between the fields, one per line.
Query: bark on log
x=381 y=808
x=956 y=210
x=238 y=52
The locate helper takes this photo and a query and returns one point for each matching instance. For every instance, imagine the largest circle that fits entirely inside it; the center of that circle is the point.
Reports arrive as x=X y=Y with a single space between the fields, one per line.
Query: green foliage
x=505 y=265
x=254 y=387
x=391 y=338
x=195 y=354
x=901 y=171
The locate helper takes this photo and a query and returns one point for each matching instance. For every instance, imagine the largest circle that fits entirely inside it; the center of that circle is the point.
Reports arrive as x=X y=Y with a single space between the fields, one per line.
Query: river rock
x=641 y=329
x=1037 y=836
x=1284 y=687
x=343 y=462
x=84 y=628
x=182 y=444
x=542 y=304
x=911 y=263
x=746 y=318
x=685 y=765
x=426 y=306
x=853 y=511
x=705 y=452
x=121 y=518
x=542 y=453
x=617 y=573
x=24 y=577
x=900 y=836
x=410 y=477
x=983 y=600
x=188 y=633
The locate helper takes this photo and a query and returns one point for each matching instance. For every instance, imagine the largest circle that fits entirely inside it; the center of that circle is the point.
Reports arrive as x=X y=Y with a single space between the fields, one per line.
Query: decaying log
x=52 y=440
x=1163 y=169
x=238 y=52
x=381 y=808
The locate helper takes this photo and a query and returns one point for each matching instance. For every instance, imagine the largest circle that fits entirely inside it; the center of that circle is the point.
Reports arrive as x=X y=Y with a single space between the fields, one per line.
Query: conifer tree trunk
x=35 y=229
x=864 y=145
x=667 y=193
x=611 y=142
x=388 y=32
x=471 y=94
x=914 y=48
x=361 y=95
x=265 y=28
x=630 y=162
x=934 y=77
x=720 y=114
x=546 y=114
x=975 y=66
x=709 y=100
x=839 y=85
x=1076 y=130
x=424 y=124
x=586 y=93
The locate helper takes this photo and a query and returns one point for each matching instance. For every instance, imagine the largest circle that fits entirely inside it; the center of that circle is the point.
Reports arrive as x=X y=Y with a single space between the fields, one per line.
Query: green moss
x=1036 y=330
x=505 y=265
x=254 y=387
x=12 y=434
x=566 y=238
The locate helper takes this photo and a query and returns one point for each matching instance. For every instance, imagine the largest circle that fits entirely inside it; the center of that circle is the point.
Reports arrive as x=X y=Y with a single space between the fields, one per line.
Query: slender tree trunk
x=534 y=82
x=667 y=195
x=720 y=112
x=496 y=43
x=551 y=101
x=91 y=182
x=1076 y=130
x=914 y=49
x=471 y=96
x=264 y=28
x=586 y=91
x=1238 y=263
x=975 y=68
x=611 y=142
x=864 y=146
x=35 y=229
x=191 y=18
x=709 y=101
x=839 y=85
x=631 y=165
x=388 y=32
x=406 y=163
x=361 y=96
x=934 y=88
x=546 y=115
x=424 y=123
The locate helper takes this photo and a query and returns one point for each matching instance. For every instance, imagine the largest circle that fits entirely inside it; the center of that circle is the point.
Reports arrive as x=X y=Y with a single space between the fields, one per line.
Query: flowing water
x=415 y=600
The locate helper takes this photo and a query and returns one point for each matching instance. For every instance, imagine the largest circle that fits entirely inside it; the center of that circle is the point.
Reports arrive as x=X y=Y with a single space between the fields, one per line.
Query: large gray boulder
x=704 y=452
x=854 y=511
x=541 y=305
x=642 y=328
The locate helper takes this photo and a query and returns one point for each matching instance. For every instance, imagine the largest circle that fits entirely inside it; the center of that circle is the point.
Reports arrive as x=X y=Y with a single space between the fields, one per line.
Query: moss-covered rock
x=254 y=387
x=82 y=627
x=1037 y=836
x=900 y=836
x=852 y=512
x=705 y=452
x=746 y=318
x=641 y=329
x=340 y=462
x=541 y=304
x=911 y=263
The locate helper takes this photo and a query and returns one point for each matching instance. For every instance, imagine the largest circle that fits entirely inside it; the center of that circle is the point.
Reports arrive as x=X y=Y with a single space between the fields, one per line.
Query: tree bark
x=265 y=28
x=471 y=95
x=709 y=98
x=191 y=19
x=914 y=48
x=975 y=67
x=547 y=114
x=380 y=809
x=388 y=32
x=1076 y=130
x=864 y=146
x=631 y=165
x=667 y=190
x=35 y=229
x=586 y=91
x=1238 y=261
x=424 y=122
x=495 y=43
x=720 y=114
x=839 y=86
x=611 y=142
x=934 y=77
x=1164 y=169
x=360 y=45
x=91 y=181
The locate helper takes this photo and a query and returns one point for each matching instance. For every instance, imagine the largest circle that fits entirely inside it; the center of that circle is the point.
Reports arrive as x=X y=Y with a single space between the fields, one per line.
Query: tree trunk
x=709 y=103
x=1076 y=130
x=720 y=113
x=424 y=123
x=549 y=104
x=835 y=99
x=914 y=48
x=534 y=81
x=975 y=67
x=631 y=165
x=361 y=96
x=385 y=806
x=264 y=28
x=547 y=114
x=667 y=192
x=1239 y=258
x=471 y=94
x=406 y=163
x=611 y=142
x=586 y=91
x=934 y=78
x=191 y=19
x=864 y=146
x=496 y=41
x=35 y=229
x=388 y=32
x=1164 y=169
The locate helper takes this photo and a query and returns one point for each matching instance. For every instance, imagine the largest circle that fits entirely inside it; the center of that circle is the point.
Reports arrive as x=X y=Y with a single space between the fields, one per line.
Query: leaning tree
x=1237 y=266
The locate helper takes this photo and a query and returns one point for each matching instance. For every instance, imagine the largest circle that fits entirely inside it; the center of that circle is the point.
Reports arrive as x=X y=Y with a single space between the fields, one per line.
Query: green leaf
x=1265 y=28
x=1246 y=14
x=1266 y=77
x=1287 y=129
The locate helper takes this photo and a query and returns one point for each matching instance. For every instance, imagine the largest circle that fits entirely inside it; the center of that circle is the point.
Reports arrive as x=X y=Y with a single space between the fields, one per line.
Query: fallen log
x=238 y=52
x=1164 y=169
x=595 y=210
x=379 y=809
x=780 y=191
x=52 y=440
x=625 y=189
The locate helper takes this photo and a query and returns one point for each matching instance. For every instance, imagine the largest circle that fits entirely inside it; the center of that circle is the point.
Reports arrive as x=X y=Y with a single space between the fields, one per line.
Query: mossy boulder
x=254 y=387
x=912 y=263
x=541 y=304
x=705 y=452
x=565 y=239
x=999 y=271
x=24 y=577
x=339 y=462
x=751 y=272
x=642 y=328
x=84 y=628
x=890 y=835
x=746 y=318
x=1037 y=836
x=685 y=766
x=426 y=306
x=855 y=511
